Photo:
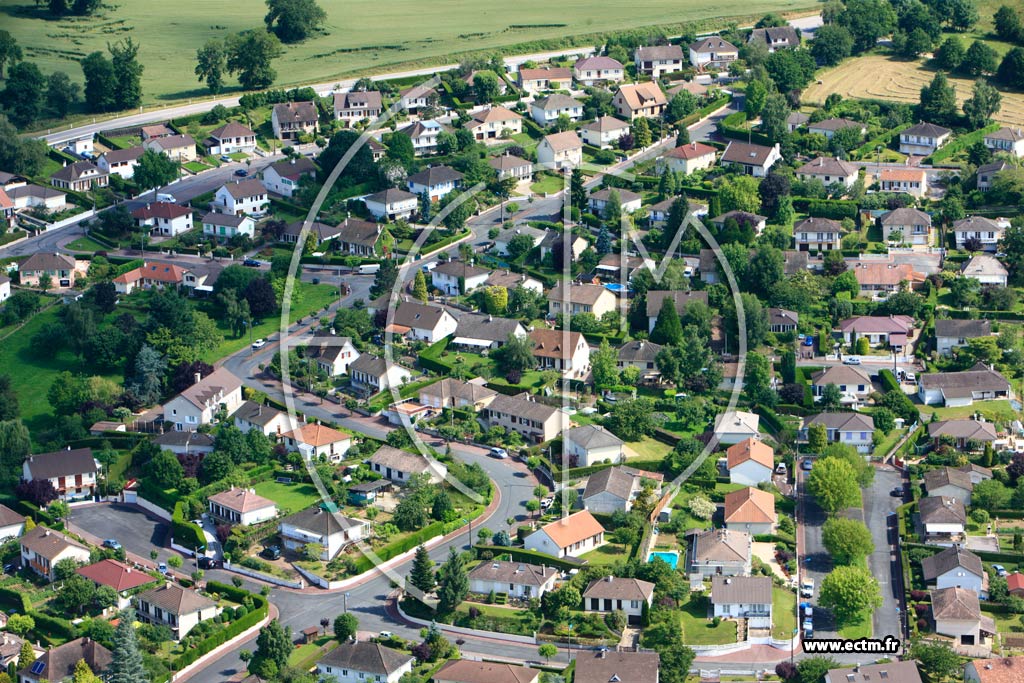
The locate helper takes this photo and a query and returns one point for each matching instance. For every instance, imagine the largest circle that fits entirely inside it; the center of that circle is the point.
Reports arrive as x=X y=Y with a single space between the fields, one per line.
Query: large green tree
x=126 y=665
x=847 y=540
x=124 y=59
x=938 y=101
x=454 y=582
x=422 y=574
x=155 y=169
x=849 y=592
x=834 y=483
x=294 y=20
x=867 y=21
x=23 y=95
x=832 y=44
x=100 y=83
x=250 y=54
x=273 y=645
x=668 y=330
x=212 y=64
x=61 y=94
x=983 y=103
x=10 y=51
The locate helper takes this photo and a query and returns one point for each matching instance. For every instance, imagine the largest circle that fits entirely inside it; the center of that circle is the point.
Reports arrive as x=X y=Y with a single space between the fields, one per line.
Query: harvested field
x=879 y=77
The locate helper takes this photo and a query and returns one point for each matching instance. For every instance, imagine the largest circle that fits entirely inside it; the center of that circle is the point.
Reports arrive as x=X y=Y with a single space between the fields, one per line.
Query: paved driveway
x=136 y=530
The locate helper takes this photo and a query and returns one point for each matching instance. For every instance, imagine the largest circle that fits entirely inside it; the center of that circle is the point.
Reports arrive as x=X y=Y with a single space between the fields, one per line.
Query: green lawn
x=650 y=449
x=547 y=184
x=312 y=298
x=293 y=497
x=195 y=167
x=858 y=627
x=606 y=554
x=883 y=448
x=991 y=410
x=32 y=371
x=698 y=629
x=679 y=508
x=783 y=613
x=86 y=244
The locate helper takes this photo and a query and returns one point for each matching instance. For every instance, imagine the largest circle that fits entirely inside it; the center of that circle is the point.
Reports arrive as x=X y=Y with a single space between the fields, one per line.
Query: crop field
x=879 y=77
x=359 y=35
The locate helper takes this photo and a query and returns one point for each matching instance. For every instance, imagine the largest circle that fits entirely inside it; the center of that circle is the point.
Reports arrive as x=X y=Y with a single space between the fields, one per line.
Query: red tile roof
x=117 y=575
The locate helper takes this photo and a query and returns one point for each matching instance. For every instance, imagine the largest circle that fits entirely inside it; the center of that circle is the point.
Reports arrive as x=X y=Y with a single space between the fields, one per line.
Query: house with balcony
x=363 y=661
x=923 y=139
x=635 y=100
x=912 y=181
x=571 y=536
x=200 y=403
x=324 y=525
x=392 y=204
x=547 y=110
x=284 y=177
x=1006 y=139
x=615 y=594
x=495 y=122
x=978 y=233
x=942 y=520
x=743 y=597
x=242 y=197
x=815 y=234
x=657 y=60
x=179 y=609
x=852 y=429
x=231 y=138
x=72 y=472
x=598 y=70
x=906 y=225
x=42 y=549
x=830 y=171
x=560 y=150
x=357 y=105
x=536 y=422
x=290 y=120
x=713 y=52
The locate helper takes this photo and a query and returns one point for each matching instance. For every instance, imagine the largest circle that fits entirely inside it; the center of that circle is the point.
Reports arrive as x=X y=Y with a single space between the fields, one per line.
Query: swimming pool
x=670 y=558
x=615 y=287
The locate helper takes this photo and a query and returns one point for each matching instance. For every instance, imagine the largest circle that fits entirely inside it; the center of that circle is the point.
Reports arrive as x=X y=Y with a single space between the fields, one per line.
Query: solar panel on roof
x=37 y=667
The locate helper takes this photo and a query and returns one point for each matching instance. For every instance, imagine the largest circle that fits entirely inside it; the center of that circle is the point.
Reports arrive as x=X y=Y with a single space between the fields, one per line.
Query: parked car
x=241 y=172
x=809 y=340
x=112 y=544
x=251 y=263
x=851 y=360
x=806 y=464
x=897 y=492
x=781 y=468
x=259 y=343
x=210 y=563
x=162 y=568
x=499 y=452
x=1000 y=569
x=385 y=634
x=272 y=552
x=807 y=588
x=910 y=378
x=225 y=158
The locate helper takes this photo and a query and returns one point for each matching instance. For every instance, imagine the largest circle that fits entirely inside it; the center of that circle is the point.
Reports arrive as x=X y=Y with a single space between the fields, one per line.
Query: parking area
x=136 y=530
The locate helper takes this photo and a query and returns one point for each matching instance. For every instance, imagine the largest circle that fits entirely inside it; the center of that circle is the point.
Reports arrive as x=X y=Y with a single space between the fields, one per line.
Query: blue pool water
x=615 y=287
x=670 y=558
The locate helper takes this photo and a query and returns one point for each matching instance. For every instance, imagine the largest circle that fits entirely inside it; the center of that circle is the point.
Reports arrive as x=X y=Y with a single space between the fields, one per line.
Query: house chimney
x=128 y=570
x=167 y=584
x=609 y=579
x=46 y=533
x=197 y=378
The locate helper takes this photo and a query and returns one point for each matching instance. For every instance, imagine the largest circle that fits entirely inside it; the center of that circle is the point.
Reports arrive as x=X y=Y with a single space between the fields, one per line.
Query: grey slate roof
x=846 y=422
x=62 y=463
x=320 y=521
x=640 y=351
x=593 y=436
x=955 y=603
x=743 y=590
x=927 y=130
x=951 y=558
x=173 y=598
x=960 y=384
x=906 y=216
x=947 y=476
x=962 y=329
x=617 y=667
x=371 y=658
x=680 y=297
x=616 y=588
x=435 y=175
x=521 y=407
x=512 y=572
x=403 y=461
x=963 y=429
x=486 y=327
x=610 y=480
x=59 y=663
x=417 y=315
x=941 y=510
x=890 y=672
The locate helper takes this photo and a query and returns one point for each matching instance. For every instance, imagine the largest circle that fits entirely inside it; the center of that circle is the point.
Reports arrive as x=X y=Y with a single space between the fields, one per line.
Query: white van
x=368 y=269
x=164 y=197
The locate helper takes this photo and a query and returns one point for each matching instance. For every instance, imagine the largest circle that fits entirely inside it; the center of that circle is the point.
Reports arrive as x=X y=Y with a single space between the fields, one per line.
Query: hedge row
x=836 y=209
x=696 y=116
x=961 y=143
x=184 y=532
x=730 y=128
x=395 y=548
x=37 y=514
x=871 y=146
x=888 y=380
x=530 y=556
x=251 y=618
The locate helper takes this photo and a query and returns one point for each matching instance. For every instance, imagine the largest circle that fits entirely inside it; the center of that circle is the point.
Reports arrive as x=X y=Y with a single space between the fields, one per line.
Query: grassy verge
x=293 y=497
x=783 y=613
x=606 y=554
x=86 y=244
x=698 y=629
x=857 y=627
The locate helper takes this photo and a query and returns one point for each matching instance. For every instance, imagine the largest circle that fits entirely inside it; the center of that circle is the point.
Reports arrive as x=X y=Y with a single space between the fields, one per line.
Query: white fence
x=268 y=578
x=459 y=630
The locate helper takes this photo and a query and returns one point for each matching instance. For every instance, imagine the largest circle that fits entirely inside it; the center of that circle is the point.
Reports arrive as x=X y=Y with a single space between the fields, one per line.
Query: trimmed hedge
x=365 y=564
x=184 y=532
x=54 y=628
x=257 y=614
x=888 y=380
x=836 y=209
x=961 y=143
x=729 y=127
x=16 y=598
x=530 y=556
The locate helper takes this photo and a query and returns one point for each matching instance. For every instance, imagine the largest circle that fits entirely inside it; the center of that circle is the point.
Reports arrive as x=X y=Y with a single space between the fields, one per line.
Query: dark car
x=272 y=553
x=241 y=172
x=210 y=563
x=897 y=492
x=251 y=263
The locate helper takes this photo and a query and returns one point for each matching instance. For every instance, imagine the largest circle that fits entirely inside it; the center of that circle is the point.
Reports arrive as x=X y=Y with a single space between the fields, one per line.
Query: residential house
x=322 y=524
x=1015 y=584
x=36 y=196
x=906 y=225
x=979 y=233
x=950 y=482
x=680 y=298
x=986 y=173
x=755 y=160
x=796 y=121
x=392 y=204
x=478 y=332
x=185 y=443
x=828 y=127
x=150 y=275
x=293 y=119
x=332 y=354
x=576 y=243
x=284 y=177
x=721 y=552
x=642 y=355
x=180 y=148
x=686 y=159
x=782 y=321
x=657 y=216
x=358 y=237
x=852 y=429
x=424 y=136
x=318 y=441
x=613 y=267
x=879 y=280
x=42 y=549
x=72 y=472
x=853 y=383
x=829 y=170
x=942 y=520
x=955 y=567
x=957 y=613
x=634 y=100
x=164 y=218
x=751 y=510
x=602 y=666
x=357 y=105
x=399 y=466
x=817 y=234
x=456 y=278
x=435 y=181
x=510 y=166
x=923 y=139
x=118 y=575
x=1010 y=140
x=517 y=579
x=158 y=130
x=180 y=609
x=775 y=37
x=372 y=374
x=598 y=70
x=579 y=298
x=5 y=288
x=80 y=176
x=506 y=236
x=987 y=270
x=966 y=435
x=892 y=330
x=564 y=351
x=267 y=419
x=455 y=393
x=750 y=462
x=613 y=594
x=598 y=200
x=589 y=445
x=359 y=662
x=494 y=122
x=535 y=80
x=734 y=426
x=743 y=597
x=560 y=150
x=698 y=90
x=743 y=219
x=200 y=403
x=224 y=226
x=12 y=525
x=62 y=269
x=121 y=162
x=913 y=181
x=423 y=322
x=536 y=422
x=571 y=536
x=891 y=672
x=247 y=197
x=658 y=60
x=605 y=132
x=980 y=383
x=231 y=138
x=977 y=473
x=468 y=671
x=713 y=52
x=413 y=99
x=241 y=506
x=58 y=663
x=614 y=489
x=547 y=110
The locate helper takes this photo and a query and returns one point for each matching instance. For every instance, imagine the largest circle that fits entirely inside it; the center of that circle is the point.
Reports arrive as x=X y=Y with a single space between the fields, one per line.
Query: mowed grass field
x=360 y=36
x=884 y=78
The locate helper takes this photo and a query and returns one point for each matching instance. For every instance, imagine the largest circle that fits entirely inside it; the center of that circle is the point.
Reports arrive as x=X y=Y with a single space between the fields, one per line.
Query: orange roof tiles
x=576 y=527
x=750 y=506
x=751 y=449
